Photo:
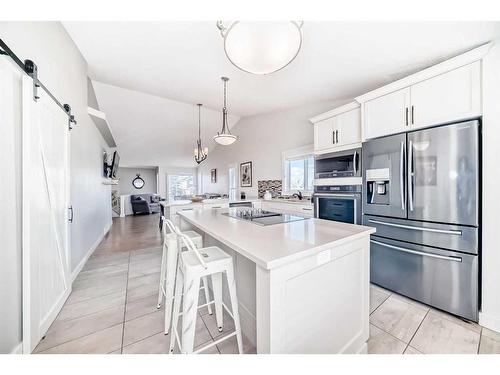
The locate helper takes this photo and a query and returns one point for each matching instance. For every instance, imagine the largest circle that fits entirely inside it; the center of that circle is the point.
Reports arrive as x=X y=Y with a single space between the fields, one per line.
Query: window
x=180 y=186
x=298 y=170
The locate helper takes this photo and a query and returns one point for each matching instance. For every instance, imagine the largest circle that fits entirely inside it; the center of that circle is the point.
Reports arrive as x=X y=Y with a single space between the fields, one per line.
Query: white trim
x=18 y=349
x=338 y=181
x=80 y=265
x=297 y=152
x=26 y=272
x=334 y=112
x=350 y=146
x=49 y=318
x=489 y=321
x=435 y=70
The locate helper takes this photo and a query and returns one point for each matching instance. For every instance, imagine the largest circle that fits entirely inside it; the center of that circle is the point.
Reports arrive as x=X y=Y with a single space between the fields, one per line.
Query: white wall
x=126 y=175
x=63 y=70
x=490 y=314
x=262 y=140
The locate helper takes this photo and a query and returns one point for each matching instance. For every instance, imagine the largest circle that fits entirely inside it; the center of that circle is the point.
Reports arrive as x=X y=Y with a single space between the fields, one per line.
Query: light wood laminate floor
x=112 y=308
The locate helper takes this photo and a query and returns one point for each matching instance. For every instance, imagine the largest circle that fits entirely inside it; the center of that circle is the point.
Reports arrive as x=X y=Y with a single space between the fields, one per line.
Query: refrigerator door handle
x=354 y=161
x=410 y=174
x=422 y=229
x=405 y=250
x=401 y=175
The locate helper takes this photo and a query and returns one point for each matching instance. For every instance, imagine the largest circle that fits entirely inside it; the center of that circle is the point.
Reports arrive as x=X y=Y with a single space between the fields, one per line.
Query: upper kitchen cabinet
x=338 y=129
x=388 y=114
x=324 y=134
x=446 y=92
x=451 y=96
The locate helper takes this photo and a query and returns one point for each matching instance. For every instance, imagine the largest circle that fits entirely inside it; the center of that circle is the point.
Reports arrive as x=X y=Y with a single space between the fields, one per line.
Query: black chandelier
x=200 y=153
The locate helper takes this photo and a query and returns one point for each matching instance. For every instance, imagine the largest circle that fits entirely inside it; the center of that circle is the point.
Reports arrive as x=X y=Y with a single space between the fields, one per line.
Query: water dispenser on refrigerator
x=378 y=186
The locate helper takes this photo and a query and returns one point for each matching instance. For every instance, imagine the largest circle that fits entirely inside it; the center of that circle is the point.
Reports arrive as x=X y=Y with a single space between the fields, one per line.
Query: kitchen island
x=303 y=286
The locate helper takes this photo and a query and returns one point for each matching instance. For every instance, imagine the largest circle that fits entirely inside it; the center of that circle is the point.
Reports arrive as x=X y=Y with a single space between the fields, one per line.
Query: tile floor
x=399 y=325
x=112 y=309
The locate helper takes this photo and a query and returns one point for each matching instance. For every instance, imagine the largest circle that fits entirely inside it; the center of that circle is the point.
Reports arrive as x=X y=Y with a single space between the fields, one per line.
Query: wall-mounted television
x=114 y=165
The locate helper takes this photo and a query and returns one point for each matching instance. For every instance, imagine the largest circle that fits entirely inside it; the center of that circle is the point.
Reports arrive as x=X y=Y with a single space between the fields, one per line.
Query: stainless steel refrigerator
x=421 y=191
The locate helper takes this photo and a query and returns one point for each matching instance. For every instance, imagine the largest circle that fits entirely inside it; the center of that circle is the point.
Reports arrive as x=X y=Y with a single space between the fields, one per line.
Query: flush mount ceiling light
x=261 y=47
x=200 y=153
x=225 y=137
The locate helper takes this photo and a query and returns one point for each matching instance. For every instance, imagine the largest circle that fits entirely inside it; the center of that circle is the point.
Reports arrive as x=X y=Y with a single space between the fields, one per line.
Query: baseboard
x=489 y=321
x=80 y=265
x=52 y=314
x=18 y=349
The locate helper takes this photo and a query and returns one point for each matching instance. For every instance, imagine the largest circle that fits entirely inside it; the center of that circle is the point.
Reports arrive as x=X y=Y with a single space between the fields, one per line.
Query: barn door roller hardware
x=30 y=68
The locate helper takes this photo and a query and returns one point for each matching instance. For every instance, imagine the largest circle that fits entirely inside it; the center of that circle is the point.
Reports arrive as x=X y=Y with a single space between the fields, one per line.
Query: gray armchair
x=145 y=203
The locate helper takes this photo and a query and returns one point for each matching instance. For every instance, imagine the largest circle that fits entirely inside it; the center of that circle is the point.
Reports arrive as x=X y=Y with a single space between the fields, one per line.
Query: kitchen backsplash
x=274 y=186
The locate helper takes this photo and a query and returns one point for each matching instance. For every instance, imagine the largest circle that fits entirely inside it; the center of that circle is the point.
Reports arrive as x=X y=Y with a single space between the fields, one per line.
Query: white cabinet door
x=348 y=126
x=323 y=135
x=388 y=114
x=455 y=95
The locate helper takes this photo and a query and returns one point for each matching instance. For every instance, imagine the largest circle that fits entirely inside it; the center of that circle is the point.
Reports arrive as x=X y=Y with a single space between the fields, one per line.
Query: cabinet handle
x=412 y=116
x=337 y=136
x=406 y=121
x=333 y=135
x=307 y=209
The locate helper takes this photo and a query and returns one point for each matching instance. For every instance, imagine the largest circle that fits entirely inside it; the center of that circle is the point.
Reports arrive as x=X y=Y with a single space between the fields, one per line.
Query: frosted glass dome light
x=261 y=47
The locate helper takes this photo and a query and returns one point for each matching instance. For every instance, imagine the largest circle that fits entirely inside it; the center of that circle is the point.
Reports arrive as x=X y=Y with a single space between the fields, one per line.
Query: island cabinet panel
x=317 y=305
x=302 y=286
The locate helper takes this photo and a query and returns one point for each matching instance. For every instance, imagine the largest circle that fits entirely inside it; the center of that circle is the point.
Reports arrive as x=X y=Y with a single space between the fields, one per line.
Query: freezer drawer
x=449 y=237
x=443 y=279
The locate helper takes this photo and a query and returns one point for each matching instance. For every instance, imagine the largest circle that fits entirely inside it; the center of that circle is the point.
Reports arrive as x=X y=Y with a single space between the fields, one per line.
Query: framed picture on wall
x=246 y=174
x=213 y=175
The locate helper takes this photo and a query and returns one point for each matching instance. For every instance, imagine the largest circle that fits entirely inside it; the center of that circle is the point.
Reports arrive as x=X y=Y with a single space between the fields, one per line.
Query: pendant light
x=200 y=153
x=261 y=47
x=225 y=137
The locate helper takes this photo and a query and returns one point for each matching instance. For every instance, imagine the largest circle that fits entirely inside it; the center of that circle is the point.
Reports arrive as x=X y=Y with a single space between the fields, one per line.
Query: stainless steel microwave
x=338 y=164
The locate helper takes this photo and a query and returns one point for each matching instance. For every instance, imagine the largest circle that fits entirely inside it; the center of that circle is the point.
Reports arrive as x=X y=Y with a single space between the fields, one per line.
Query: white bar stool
x=195 y=264
x=171 y=242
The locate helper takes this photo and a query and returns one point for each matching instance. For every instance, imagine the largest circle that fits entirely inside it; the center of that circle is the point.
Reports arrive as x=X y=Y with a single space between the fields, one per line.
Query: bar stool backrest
x=170 y=225
x=190 y=245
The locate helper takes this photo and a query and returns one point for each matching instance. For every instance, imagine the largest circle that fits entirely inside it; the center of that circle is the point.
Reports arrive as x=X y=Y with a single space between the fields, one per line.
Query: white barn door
x=46 y=252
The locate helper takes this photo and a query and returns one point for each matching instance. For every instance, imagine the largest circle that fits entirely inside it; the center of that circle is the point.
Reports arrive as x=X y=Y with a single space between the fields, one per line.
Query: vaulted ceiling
x=182 y=62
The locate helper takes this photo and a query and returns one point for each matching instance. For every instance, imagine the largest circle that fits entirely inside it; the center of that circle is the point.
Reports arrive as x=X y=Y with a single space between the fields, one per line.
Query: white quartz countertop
x=214 y=201
x=274 y=245
x=304 y=202
x=225 y=200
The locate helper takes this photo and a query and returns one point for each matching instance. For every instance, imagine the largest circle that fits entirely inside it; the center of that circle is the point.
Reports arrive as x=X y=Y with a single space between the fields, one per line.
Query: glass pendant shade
x=225 y=139
x=261 y=47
